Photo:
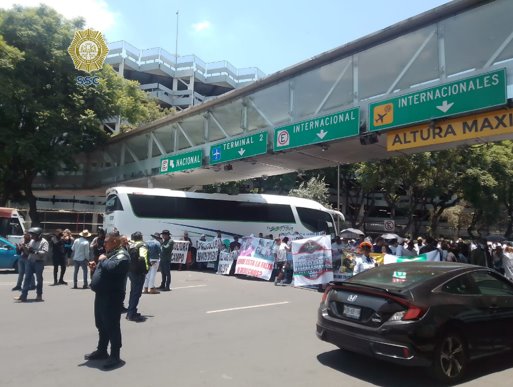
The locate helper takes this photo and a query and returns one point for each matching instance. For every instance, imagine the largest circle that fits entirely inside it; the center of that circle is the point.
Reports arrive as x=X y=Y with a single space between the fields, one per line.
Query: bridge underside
x=458 y=40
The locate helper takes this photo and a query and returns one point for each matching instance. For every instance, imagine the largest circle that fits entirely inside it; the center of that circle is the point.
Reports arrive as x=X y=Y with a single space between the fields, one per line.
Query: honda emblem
x=352 y=298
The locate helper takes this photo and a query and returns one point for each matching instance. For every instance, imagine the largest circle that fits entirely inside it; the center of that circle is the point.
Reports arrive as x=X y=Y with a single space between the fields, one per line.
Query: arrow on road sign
x=241 y=151
x=444 y=107
x=322 y=134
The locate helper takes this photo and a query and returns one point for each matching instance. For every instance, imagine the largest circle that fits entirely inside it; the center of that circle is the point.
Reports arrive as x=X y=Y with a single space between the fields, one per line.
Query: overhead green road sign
x=181 y=162
x=316 y=130
x=461 y=96
x=239 y=148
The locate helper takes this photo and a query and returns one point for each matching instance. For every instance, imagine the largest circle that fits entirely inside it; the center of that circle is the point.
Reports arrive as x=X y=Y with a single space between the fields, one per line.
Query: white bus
x=151 y=210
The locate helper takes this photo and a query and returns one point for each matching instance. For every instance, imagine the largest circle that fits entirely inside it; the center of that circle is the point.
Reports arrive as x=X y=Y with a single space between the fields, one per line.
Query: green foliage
x=46 y=118
x=315 y=189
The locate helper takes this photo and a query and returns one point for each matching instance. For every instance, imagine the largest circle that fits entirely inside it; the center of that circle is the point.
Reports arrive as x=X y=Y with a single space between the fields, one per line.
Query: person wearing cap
x=154 y=250
x=166 y=249
x=365 y=261
x=81 y=255
x=37 y=251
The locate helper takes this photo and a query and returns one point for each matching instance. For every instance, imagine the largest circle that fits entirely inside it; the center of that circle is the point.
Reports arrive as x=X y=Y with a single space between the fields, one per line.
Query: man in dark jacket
x=108 y=283
x=139 y=265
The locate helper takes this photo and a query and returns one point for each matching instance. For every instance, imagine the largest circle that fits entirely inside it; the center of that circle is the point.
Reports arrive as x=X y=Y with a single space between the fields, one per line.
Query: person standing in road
x=68 y=245
x=139 y=266
x=81 y=256
x=108 y=283
x=98 y=248
x=165 y=260
x=22 y=251
x=365 y=261
x=281 y=258
x=37 y=251
x=58 y=257
x=154 y=250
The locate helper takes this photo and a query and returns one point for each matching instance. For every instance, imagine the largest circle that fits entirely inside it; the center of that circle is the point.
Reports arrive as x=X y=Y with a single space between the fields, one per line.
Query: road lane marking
x=246 y=307
x=187 y=287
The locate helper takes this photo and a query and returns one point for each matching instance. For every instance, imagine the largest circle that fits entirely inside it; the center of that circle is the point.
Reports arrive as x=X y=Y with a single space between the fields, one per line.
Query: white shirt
x=80 y=249
x=363 y=263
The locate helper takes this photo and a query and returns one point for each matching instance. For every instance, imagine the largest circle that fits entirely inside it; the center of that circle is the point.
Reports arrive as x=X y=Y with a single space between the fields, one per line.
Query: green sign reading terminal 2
x=461 y=96
x=239 y=148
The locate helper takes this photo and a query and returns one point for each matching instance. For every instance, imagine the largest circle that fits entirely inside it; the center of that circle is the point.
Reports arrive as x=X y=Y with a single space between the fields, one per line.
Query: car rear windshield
x=397 y=277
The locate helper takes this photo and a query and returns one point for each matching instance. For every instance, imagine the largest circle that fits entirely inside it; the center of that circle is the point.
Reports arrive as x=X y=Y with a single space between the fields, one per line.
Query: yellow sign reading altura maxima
x=88 y=50
x=494 y=123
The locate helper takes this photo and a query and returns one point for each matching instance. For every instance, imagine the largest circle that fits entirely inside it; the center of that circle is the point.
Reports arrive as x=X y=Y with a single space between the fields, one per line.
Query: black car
x=435 y=314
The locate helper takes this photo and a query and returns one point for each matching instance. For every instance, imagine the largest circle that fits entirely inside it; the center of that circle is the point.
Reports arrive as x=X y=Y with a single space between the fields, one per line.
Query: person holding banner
x=165 y=260
x=281 y=260
x=365 y=261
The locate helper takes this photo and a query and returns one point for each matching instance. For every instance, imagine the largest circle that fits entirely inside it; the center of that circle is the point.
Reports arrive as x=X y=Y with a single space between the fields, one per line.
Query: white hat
x=85 y=234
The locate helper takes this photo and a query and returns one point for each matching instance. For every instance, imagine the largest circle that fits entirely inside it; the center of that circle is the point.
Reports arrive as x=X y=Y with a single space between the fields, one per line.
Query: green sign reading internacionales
x=321 y=129
x=181 y=162
x=239 y=148
x=461 y=96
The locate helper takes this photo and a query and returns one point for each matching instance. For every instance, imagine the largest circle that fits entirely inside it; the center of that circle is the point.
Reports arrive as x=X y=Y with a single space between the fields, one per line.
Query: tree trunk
x=32 y=201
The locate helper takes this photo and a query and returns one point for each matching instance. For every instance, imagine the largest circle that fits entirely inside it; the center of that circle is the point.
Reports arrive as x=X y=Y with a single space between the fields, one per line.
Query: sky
x=269 y=34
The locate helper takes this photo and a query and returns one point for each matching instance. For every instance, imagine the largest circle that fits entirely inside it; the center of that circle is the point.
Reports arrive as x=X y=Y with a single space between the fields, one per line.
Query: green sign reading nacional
x=181 y=162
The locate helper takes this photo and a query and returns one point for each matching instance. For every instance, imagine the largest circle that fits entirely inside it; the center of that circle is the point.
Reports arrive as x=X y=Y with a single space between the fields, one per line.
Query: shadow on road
x=381 y=373
x=98 y=364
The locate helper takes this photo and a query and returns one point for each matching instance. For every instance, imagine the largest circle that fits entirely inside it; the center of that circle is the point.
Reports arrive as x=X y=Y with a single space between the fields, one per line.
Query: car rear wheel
x=450 y=358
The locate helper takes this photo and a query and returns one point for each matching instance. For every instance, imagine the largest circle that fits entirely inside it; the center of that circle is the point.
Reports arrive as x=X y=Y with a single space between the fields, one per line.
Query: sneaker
x=97 y=355
x=16 y=288
x=166 y=290
x=20 y=299
x=112 y=362
x=153 y=291
x=61 y=282
x=39 y=298
x=136 y=318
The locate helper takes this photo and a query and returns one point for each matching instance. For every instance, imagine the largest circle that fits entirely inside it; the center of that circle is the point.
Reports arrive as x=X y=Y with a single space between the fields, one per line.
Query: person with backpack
x=154 y=256
x=139 y=266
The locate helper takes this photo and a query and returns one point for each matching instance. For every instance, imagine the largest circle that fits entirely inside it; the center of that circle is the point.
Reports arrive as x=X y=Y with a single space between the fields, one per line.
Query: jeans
x=22 y=268
x=165 y=268
x=33 y=267
x=136 y=287
x=149 y=282
x=83 y=265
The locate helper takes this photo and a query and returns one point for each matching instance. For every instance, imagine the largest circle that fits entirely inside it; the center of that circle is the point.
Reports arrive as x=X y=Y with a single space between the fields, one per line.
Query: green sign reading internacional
x=239 y=148
x=181 y=162
x=320 y=129
x=461 y=96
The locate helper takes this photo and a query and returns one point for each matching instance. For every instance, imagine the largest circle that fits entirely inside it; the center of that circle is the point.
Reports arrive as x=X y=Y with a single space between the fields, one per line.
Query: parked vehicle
x=440 y=315
x=8 y=256
x=11 y=224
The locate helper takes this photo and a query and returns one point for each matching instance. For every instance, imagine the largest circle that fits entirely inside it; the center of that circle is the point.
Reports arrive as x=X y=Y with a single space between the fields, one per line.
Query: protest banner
x=225 y=262
x=207 y=251
x=429 y=256
x=255 y=258
x=312 y=261
x=179 y=254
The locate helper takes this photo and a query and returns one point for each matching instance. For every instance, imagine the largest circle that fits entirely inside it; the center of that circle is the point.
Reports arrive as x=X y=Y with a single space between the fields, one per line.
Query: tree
x=314 y=189
x=46 y=117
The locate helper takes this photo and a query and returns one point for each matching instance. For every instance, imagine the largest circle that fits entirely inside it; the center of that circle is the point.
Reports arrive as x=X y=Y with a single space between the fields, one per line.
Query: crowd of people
x=110 y=259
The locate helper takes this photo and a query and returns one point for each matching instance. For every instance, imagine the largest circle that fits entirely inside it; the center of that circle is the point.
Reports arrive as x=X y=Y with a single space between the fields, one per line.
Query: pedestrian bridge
x=430 y=82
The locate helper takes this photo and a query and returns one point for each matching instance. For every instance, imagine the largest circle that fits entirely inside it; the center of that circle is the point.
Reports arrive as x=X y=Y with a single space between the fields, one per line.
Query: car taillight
x=412 y=313
x=325 y=294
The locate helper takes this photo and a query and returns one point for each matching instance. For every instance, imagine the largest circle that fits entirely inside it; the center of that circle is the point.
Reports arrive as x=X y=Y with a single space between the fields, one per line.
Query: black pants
x=56 y=263
x=165 y=270
x=107 y=315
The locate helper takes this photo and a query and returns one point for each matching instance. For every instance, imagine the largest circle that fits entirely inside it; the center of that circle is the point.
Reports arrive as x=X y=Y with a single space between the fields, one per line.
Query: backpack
x=138 y=264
